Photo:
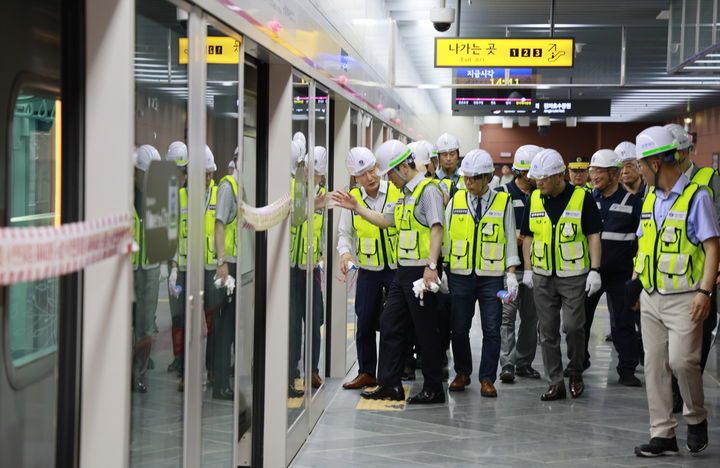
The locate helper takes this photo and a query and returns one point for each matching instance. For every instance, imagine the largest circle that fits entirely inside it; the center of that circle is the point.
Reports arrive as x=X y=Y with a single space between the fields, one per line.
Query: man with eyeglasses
x=620 y=213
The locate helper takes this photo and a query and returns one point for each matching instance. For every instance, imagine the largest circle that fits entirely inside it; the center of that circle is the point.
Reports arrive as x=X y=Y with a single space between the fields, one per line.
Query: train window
x=34 y=200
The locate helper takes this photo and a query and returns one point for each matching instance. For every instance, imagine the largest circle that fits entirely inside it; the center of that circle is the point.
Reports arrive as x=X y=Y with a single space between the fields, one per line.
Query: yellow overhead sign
x=221 y=49
x=505 y=53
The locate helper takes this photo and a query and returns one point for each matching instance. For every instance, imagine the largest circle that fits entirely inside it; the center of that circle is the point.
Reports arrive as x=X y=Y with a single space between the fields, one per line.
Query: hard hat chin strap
x=399 y=174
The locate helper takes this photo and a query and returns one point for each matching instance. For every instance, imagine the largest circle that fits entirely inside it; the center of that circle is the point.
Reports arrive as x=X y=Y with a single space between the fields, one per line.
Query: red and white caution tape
x=264 y=217
x=35 y=253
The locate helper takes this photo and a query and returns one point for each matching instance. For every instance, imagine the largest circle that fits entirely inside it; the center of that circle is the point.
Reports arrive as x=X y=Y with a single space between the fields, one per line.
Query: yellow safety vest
x=667 y=260
x=298 y=252
x=209 y=251
x=140 y=257
x=375 y=247
x=231 y=227
x=413 y=246
x=480 y=246
x=183 y=230
x=703 y=176
x=448 y=183
x=562 y=247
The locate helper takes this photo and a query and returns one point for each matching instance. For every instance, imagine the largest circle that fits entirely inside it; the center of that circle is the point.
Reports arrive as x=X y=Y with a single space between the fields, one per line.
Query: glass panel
x=161 y=92
x=676 y=12
x=706 y=23
x=690 y=28
x=221 y=211
x=320 y=188
x=356 y=127
x=34 y=201
x=298 y=250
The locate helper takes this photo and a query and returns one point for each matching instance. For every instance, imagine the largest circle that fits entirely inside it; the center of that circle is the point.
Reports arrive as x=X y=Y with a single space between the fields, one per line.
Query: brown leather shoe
x=360 y=381
x=577 y=387
x=487 y=389
x=459 y=383
x=316 y=380
x=555 y=392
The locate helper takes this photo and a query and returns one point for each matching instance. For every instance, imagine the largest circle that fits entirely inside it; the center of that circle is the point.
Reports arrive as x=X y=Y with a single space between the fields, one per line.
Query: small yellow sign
x=220 y=49
x=505 y=53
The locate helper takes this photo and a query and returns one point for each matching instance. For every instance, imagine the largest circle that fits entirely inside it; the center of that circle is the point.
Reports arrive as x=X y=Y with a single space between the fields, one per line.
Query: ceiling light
x=688 y=120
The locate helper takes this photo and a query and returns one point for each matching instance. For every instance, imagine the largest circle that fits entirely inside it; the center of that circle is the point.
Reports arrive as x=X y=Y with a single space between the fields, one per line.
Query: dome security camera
x=442 y=18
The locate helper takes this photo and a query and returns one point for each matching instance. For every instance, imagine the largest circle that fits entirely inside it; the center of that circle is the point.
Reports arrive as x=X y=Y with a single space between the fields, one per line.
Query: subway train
x=128 y=339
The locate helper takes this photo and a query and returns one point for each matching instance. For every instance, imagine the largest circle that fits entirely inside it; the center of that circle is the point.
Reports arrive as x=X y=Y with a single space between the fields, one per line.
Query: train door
x=39 y=187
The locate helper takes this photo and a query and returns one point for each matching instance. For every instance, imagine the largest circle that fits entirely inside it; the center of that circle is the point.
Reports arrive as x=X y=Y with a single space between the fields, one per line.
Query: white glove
x=593 y=283
x=172 y=282
x=512 y=282
x=229 y=284
x=419 y=288
x=444 y=288
x=320 y=265
x=527 y=278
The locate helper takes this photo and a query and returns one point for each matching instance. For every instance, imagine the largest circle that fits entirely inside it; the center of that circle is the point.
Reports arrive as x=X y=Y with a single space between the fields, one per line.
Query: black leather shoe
x=697 y=437
x=175 y=365
x=629 y=380
x=384 y=393
x=507 y=375
x=677 y=402
x=426 y=397
x=408 y=374
x=658 y=447
x=555 y=392
x=294 y=392
x=223 y=394
x=577 y=387
x=138 y=386
x=527 y=371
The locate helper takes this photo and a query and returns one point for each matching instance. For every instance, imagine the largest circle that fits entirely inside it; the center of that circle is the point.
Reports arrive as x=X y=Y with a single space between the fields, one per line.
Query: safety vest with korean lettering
x=375 y=247
x=560 y=248
x=667 y=261
x=413 y=245
x=231 y=227
x=298 y=252
x=479 y=246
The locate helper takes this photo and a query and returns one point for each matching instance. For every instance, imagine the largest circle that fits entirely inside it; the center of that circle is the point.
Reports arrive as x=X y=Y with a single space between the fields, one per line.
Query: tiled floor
x=516 y=429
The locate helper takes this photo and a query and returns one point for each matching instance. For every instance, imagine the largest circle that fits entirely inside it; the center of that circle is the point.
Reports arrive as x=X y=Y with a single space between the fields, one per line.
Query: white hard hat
x=177 y=152
x=359 y=160
x=422 y=151
x=476 y=162
x=546 y=163
x=524 y=156
x=626 y=151
x=209 y=160
x=680 y=134
x=605 y=158
x=654 y=140
x=321 y=160
x=144 y=155
x=296 y=155
x=447 y=142
x=391 y=154
x=300 y=139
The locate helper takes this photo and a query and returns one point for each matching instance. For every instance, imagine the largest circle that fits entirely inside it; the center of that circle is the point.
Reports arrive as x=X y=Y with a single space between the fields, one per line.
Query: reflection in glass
x=158 y=309
x=34 y=201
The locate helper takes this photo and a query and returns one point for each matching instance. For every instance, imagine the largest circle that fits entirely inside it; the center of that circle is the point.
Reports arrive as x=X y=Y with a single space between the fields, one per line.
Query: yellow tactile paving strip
x=297 y=402
x=383 y=405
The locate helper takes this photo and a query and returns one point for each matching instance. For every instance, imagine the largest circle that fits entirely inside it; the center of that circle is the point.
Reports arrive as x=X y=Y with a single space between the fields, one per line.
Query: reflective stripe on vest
x=375 y=247
x=183 y=230
x=413 y=245
x=480 y=246
x=615 y=221
x=231 y=228
x=562 y=247
x=667 y=260
x=703 y=176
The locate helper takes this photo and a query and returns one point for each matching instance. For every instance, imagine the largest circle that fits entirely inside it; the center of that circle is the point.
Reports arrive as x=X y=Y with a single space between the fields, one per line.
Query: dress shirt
x=701 y=221
x=714 y=186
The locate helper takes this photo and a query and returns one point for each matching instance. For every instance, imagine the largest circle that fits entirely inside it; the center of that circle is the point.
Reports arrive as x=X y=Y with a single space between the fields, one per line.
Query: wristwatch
x=432 y=266
x=220 y=262
x=704 y=291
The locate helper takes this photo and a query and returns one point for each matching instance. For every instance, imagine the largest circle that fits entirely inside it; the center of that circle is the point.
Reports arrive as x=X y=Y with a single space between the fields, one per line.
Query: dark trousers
x=622 y=321
x=370 y=292
x=402 y=313
x=213 y=302
x=465 y=291
x=298 y=280
x=223 y=331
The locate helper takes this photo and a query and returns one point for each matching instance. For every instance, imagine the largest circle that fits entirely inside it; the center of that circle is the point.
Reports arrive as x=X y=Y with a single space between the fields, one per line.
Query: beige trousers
x=672 y=345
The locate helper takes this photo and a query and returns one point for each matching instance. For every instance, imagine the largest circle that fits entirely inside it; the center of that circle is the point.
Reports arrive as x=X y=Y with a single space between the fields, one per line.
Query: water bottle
x=505 y=296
